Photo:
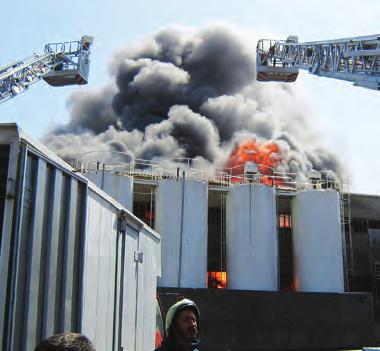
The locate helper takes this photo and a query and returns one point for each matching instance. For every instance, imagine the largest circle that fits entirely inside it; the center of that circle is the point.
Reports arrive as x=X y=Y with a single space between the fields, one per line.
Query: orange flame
x=265 y=154
x=217 y=280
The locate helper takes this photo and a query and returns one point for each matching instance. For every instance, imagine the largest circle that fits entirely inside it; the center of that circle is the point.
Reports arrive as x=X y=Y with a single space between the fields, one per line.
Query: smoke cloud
x=190 y=94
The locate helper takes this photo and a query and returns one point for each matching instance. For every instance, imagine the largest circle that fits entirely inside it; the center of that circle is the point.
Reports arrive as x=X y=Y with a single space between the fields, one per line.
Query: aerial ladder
x=355 y=60
x=60 y=64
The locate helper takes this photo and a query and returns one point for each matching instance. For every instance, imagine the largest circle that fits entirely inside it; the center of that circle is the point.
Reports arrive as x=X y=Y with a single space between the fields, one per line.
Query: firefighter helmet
x=184 y=304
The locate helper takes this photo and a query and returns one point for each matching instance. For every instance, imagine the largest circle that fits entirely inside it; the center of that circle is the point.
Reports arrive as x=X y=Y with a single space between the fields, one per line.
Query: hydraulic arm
x=352 y=59
x=61 y=64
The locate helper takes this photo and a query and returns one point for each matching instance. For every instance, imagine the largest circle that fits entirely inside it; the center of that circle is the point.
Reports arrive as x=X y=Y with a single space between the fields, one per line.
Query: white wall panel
x=120 y=187
x=317 y=241
x=251 y=238
x=99 y=284
x=181 y=220
x=146 y=297
x=129 y=309
x=33 y=286
x=69 y=284
x=52 y=257
x=91 y=268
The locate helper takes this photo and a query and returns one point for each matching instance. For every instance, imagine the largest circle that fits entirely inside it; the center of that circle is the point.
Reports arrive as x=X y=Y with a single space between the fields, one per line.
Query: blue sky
x=346 y=118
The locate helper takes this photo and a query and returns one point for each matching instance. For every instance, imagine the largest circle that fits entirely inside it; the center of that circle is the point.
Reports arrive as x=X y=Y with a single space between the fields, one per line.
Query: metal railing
x=153 y=170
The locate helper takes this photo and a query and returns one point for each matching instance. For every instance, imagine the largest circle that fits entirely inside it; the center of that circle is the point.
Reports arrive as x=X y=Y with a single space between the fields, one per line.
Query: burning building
x=252 y=211
x=214 y=223
x=272 y=238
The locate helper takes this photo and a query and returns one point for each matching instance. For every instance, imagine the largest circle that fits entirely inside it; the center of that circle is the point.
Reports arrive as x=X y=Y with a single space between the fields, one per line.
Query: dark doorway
x=4 y=162
x=144 y=200
x=216 y=247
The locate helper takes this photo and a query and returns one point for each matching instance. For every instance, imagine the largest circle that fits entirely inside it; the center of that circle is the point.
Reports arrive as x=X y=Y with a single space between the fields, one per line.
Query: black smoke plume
x=189 y=94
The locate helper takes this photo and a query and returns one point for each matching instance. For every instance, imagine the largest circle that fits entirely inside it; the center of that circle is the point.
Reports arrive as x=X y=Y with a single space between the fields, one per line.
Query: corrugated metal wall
x=100 y=268
x=65 y=263
x=119 y=186
x=129 y=291
x=43 y=294
x=149 y=245
x=118 y=290
x=9 y=138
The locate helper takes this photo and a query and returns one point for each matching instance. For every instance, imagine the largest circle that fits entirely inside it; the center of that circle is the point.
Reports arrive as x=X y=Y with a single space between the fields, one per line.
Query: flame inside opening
x=217 y=280
x=266 y=154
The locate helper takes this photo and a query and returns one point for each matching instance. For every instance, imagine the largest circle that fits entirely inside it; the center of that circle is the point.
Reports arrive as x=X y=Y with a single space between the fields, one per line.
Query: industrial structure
x=301 y=257
x=274 y=260
x=355 y=59
x=61 y=64
x=317 y=211
x=271 y=237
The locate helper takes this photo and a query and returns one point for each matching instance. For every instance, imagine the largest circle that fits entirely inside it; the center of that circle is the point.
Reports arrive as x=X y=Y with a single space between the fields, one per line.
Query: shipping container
x=71 y=257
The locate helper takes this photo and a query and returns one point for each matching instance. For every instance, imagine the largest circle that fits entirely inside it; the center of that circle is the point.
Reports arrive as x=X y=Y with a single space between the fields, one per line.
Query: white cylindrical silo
x=317 y=241
x=251 y=238
x=117 y=185
x=181 y=220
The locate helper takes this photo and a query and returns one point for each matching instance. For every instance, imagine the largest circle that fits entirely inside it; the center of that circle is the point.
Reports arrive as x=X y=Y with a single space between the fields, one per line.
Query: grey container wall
x=71 y=257
x=119 y=186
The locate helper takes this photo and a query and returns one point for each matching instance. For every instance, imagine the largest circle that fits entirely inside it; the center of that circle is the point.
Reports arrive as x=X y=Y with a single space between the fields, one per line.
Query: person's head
x=182 y=321
x=66 y=342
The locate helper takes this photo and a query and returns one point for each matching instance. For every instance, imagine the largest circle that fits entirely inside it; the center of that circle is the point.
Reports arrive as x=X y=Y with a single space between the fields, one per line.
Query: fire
x=217 y=280
x=266 y=154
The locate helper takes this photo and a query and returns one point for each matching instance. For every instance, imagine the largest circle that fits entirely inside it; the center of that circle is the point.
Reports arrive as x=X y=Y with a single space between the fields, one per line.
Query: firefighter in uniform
x=181 y=326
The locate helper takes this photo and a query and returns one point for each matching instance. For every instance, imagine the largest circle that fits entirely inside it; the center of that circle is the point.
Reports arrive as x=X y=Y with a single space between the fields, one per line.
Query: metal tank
x=118 y=186
x=317 y=241
x=181 y=220
x=251 y=238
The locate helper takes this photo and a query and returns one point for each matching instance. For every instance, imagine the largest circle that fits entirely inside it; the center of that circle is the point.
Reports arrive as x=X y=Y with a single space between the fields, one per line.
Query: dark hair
x=66 y=342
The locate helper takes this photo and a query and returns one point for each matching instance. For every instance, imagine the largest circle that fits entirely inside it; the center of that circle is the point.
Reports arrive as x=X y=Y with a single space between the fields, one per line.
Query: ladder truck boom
x=355 y=59
x=60 y=64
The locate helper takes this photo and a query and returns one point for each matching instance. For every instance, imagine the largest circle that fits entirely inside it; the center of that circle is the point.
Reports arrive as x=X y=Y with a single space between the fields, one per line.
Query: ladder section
x=352 y=59
x=61 y=64
x=17 y=77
